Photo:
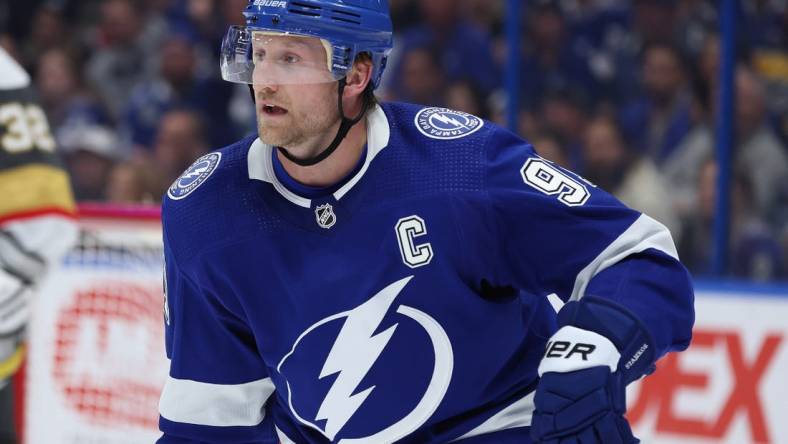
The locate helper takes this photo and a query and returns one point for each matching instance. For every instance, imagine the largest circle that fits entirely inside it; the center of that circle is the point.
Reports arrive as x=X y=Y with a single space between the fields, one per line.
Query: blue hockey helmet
x=346 y=28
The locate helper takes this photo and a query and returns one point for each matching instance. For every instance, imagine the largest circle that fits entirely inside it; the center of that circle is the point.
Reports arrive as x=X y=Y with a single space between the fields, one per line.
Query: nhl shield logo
x=325 y=216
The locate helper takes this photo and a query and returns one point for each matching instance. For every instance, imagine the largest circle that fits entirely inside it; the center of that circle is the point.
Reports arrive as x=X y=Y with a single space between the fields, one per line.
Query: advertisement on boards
x=96 y=364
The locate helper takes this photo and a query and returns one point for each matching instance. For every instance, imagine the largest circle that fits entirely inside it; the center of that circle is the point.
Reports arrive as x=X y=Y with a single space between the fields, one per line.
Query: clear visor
x=259 y=57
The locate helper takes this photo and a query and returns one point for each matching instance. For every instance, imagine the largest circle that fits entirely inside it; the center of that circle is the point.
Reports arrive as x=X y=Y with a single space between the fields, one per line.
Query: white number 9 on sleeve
x=547 y=178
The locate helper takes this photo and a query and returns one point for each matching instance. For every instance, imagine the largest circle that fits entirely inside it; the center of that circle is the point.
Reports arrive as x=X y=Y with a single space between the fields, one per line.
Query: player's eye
x=259 y=55
x=291 y=59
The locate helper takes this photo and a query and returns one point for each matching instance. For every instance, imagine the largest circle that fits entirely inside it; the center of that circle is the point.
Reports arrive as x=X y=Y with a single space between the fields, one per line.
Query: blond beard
x=300 y=132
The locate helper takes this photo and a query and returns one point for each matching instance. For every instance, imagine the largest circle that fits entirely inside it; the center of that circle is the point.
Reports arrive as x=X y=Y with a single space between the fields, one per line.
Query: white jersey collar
x=261 y=166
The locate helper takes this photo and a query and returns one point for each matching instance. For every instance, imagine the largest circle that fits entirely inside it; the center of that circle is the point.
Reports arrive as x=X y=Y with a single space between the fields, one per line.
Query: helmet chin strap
x=344 y=128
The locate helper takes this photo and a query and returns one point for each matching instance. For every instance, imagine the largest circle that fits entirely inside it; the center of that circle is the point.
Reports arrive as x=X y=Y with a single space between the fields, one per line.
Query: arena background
x=679 y=108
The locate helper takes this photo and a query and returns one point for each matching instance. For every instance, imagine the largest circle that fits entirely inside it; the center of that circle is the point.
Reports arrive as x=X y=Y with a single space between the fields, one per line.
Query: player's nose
x=265 y=89
x=266 y=83
x=265 y=79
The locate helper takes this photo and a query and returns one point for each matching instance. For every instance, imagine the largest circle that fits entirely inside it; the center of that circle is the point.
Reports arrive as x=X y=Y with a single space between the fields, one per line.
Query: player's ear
x=359 y=77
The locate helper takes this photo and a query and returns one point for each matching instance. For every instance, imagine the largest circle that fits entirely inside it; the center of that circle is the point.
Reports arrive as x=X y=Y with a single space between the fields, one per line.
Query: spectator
x=764 y=24
x=90 y=153
x=549 y=146
x=123 y=55
x=177 y=86
x=201 y=16
x=695 y=20
x=462 y=50
x=404 y=13
x=550 y=60
x=179 y=142
x=708 y=64
x=422 y=78
x=230 y=11
x=630 y=176
x=599 y=33
x=65 y=99
x=653 y=21
x=199 y=21
x=658 y=121
x=754 y=252
x=462 y=95
x=565 y=111
x=757 y=147
x=135 y=182
x=485 y=15
x=613 y=39
x=681 y=168
x=47 y=31
x=529 y=124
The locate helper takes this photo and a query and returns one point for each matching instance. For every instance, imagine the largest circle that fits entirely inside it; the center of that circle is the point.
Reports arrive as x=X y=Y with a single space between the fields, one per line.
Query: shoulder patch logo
x=195 y=176
x=447 y=124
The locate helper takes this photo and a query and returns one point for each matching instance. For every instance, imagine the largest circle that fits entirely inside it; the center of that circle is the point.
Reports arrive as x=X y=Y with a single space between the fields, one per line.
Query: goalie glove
x=600 y=347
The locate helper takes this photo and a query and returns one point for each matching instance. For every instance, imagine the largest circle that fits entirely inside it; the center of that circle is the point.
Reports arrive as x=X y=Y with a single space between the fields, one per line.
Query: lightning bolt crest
x=353 y=355
x=448 y=120
x=196 y=172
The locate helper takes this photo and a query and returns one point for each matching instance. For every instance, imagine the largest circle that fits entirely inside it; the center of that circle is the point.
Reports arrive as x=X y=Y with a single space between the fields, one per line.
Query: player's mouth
x=273 y=110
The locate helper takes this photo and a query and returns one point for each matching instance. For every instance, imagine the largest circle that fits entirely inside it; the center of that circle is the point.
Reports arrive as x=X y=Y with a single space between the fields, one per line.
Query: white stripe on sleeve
x=645 y=233
x=218 y=405
x=517 y=414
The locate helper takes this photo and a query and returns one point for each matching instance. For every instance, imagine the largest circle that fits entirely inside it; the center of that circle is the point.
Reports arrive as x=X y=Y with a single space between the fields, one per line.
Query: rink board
x=96 y=363
x=731 y=385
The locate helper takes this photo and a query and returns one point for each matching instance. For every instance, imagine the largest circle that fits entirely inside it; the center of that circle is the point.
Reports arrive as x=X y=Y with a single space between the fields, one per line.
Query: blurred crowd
x=623 y=92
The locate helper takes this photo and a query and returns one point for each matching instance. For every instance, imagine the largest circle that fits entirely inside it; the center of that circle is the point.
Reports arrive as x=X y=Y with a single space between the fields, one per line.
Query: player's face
x=296 y=95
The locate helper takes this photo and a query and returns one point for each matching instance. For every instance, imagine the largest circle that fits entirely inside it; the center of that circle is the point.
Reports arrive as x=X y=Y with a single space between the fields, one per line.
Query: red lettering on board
x=659 y=390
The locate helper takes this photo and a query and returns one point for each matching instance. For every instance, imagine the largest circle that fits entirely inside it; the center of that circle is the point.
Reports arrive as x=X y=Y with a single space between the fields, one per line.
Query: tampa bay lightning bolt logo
x=354 y=373
x=446 y=124
x=195 y=176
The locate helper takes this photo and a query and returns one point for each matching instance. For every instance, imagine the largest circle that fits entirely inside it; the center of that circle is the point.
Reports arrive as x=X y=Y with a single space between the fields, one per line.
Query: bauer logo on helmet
x=271 y=3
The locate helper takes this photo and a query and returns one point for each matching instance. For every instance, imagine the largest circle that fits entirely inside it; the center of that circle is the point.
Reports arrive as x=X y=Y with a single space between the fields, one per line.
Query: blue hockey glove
x=599 y=348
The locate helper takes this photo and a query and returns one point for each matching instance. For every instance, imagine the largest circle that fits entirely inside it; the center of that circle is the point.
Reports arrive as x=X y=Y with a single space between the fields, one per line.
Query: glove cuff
x=619 y=325
x=573 y=348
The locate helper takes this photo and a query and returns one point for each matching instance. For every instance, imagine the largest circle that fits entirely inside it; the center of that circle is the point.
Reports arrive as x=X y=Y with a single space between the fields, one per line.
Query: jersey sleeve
x=218 y=385
x=559 y=233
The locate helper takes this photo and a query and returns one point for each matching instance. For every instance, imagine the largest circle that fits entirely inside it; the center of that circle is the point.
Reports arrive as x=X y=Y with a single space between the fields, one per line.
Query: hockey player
x=36 y=219
x=378 y=273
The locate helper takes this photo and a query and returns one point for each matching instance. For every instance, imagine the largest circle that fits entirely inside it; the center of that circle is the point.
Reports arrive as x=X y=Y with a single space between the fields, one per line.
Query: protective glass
x=259 y=57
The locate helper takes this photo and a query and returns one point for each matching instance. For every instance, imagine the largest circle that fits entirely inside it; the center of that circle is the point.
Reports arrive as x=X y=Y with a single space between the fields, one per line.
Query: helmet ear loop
x=344 y=128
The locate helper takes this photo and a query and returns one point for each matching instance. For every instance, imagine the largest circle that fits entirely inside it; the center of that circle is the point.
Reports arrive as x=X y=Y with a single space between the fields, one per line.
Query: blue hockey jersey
x=406 y=304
